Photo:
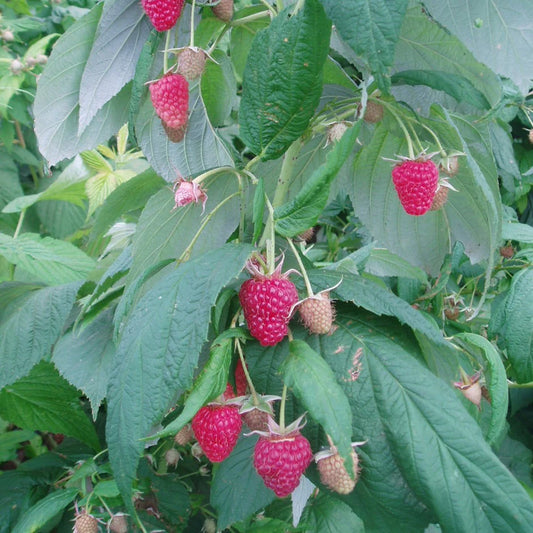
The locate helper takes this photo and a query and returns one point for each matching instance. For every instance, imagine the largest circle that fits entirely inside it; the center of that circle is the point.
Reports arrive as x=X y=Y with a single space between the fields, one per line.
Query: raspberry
x=85 y=523
x=281 y=460
x=256 y=419
x=416 y=184
x=450 y=165
x=187 y=192
x=184 y=435
x=336 y=131
x=191 y=63
x=223 y=10
x=163 y=14
x=7 y=36
x=334 y=475
x=317 y=313
x=507 y=251
x=308 y=235
x=118 y=524
x=267 y=301
x=373 y=112
x=170 y=98
x=241 y=385
x=172 y=456
x=470 y=387
x=217 y=428
x=441 y=197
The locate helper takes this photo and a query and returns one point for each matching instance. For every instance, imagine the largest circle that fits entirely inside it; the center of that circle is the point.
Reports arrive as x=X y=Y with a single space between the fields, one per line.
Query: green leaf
x=48 y=260
x=44 y=510
x=44 y=401
x=156 y=358
x=85 y=358
x=218 y=88
x=130 y=195
x=165 y=232
x=99 y=187
x=18 y=492
x=237 y=490
x=303 y=211
x=56 y=104
x=311 y=380
x=10 y=442
x=454 y=85
x=515 y=325
x=210 y=383
x=424 y=44
x=439 y=448
x=282 y=80
x=109 y=68
x=327 y=513
x=514 y=231
x=201 y=148
x=9 y=180
x=369 y=295
x=371 y=29
x=498 y=33
x=242 y=36
x=32 y=327
x=497 y=385
x=381 y=262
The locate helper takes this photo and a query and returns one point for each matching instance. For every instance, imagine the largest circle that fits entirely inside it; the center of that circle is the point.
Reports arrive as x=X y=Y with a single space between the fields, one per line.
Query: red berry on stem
x=217 y=428
x=267 y=301
x=416 y=183
x=281 y=460
x=170 y=98
x=163 y=14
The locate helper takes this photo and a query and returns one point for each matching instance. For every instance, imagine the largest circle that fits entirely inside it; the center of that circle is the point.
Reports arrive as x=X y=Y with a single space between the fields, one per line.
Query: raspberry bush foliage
x=295 y=233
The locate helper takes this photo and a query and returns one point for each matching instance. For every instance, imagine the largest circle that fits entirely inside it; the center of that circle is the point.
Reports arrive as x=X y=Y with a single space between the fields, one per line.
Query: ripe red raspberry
x=281 y=460
x=191 y=62
x=163 y=14
x=217 y=428
x=170 y=98
x=416 y=183
x=317 y=313
x=333 y=473
x=223 y=10
x=267 y=301
x=85 y=523
x=441 y=197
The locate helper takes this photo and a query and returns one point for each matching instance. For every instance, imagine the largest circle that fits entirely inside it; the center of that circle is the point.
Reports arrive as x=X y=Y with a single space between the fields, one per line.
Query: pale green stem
x=269 y=238
x=403 y=128
x=250 y=18
x=279 y=5
x=192 y=22
x=187 y=250
x=282 y=408
x=252 y=162
x=217 y=40
x=437 y=141
x=246 y=373
x=165 y=56
x=513 y=385
x=302 y=268
x=19 y=223
x=286 y=173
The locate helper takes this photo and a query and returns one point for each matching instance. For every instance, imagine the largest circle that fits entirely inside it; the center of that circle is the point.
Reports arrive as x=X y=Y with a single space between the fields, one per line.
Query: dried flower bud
x=187 y=192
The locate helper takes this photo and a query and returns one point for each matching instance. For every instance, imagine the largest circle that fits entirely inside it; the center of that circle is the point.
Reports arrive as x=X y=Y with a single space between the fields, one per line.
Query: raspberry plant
x=380 y=151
